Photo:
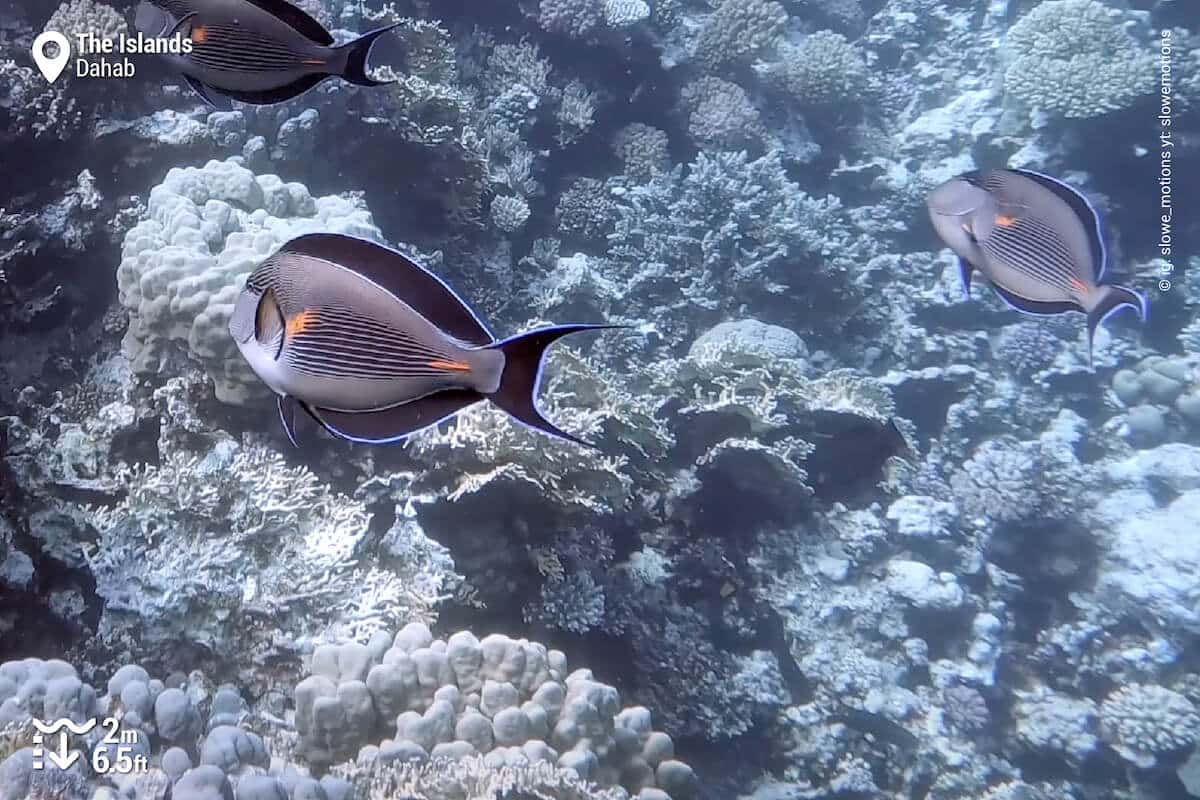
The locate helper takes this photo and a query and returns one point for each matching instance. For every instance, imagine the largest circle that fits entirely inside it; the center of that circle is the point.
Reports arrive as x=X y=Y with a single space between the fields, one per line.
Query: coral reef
x=180 y=736
x=1075 y=58
x=729 y=230
x=737 y=31
x=643 y=150
x=842 y=531
x=497 y=707
x=823 y=69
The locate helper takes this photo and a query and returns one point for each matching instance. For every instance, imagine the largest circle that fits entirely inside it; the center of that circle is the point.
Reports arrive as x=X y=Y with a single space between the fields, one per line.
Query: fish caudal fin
x=1113 y=299
x=522 y=376
x=357 y=52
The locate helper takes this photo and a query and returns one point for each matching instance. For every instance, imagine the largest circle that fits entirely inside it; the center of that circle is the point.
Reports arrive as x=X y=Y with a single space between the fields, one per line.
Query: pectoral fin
x=287 y=416
x=208 y=94
x=964 y=273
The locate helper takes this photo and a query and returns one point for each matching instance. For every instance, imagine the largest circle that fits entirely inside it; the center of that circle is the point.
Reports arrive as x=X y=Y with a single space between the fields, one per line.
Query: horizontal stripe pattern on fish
x=1034 y=249
x=234 y=48
x=336 y=344
x=263 y=277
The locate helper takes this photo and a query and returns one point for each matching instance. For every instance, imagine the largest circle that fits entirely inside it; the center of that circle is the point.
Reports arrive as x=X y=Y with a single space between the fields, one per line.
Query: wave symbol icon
x=59 y=724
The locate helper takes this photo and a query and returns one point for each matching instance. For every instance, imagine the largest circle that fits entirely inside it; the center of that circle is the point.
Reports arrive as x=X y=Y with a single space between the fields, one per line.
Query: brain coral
x=1075 y=58
x=182 y=266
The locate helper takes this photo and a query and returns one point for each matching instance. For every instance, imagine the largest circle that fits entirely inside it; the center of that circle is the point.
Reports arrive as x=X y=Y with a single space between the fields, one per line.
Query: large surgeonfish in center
x=375 y=347
x=255 y=51
x=1036 y=239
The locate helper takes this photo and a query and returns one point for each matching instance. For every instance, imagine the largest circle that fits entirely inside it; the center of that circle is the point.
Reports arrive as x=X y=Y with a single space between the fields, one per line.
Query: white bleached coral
x=182 y=266
x=485 y=449
x=495 y=706
x=234 y=550
x=474 y=777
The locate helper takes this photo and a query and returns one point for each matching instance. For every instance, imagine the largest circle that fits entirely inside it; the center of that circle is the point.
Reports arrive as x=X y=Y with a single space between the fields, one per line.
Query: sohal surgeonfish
x=375 y=347
x=255 y=51
x=1037 y=240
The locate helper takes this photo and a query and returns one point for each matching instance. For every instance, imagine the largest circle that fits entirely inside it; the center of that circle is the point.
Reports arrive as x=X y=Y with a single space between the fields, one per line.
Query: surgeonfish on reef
x=255 y=51
x=375 y=347
x=1037 y=241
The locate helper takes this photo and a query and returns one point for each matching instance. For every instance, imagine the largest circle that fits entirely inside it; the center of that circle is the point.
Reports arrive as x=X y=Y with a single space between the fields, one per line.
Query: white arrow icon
x=64 y=757
x=51 y=66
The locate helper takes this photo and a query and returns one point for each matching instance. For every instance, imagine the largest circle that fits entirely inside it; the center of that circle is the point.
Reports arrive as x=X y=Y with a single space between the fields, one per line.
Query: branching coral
x=86 y=17
x=473 y=777
x=424 y=104
x=729 y=230
x=1026 y=347
x=509 y=213
x=519 y=63
x=235 y=551
x=582 y=18
x=484 y=449
x=29 y=106
x=576 y=112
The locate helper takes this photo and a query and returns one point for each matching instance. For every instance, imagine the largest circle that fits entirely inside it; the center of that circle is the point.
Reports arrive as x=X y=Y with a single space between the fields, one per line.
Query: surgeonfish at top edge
x=265 y=52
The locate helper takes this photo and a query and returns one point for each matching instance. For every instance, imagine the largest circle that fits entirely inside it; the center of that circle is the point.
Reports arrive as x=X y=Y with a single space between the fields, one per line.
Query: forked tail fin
x=522 y=376
x=357 y=53
x=1113 y=299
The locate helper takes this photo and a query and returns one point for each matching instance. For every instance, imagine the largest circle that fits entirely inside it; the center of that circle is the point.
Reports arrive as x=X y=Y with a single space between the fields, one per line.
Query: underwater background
x=846 y=533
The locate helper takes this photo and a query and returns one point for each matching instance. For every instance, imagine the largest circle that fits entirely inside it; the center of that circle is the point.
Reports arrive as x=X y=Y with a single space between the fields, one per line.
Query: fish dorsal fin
x=298 y=19
x=400 y=276
x=1082 y=207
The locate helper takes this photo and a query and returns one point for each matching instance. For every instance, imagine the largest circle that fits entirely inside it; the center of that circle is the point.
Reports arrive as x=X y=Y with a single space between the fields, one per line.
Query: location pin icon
x=51 y=67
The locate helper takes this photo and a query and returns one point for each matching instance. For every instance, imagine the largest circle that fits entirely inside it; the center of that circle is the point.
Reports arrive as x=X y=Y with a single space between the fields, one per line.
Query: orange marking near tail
x=199 y=34
x=451 y=366
x=1005 y=221
x=1079 y=286
x=320 y=62
x=300 y=323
